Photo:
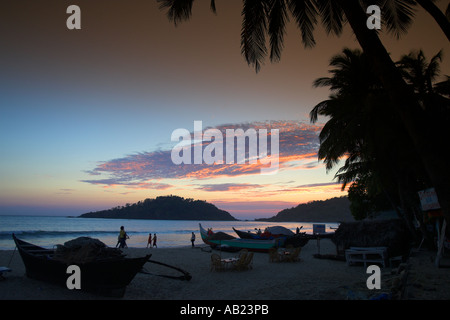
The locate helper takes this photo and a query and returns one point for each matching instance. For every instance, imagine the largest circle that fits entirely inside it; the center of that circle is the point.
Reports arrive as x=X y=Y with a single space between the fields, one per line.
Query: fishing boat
x=246 y=235
x=282 y=234
x=214 y=240
x=105 y=276
x=268 y=234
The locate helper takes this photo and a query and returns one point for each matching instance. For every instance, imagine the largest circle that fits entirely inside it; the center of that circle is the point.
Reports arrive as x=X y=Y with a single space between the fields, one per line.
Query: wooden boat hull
x=249 y=244
x=297 y=240
x=245 y=235
x=106 y=277
x=255 y=236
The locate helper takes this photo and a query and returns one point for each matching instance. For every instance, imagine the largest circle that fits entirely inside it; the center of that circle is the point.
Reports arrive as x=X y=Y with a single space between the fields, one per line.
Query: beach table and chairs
x=293 y=255
x=229 y=262
x=284 y=255
x=242 y=262
x=216 y=263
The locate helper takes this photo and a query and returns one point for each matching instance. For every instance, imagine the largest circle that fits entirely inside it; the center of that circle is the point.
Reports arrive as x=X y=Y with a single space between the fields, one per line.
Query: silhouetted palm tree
x=361 y=124
x=261 y=18
x=363 y=131
x=269 y=17
x=434 y=98
x=356 y=96
x=420 y=73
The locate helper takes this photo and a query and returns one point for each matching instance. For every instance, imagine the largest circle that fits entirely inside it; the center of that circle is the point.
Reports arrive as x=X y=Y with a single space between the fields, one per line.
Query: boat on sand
x=224 y=240
x=106 y=275
x=286 y=237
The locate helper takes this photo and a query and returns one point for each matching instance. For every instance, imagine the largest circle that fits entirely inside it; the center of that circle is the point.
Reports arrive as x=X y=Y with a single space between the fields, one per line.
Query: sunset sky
x=87 y=115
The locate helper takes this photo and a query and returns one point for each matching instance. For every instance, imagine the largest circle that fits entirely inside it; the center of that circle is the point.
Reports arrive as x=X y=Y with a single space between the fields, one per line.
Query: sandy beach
x=308 y=279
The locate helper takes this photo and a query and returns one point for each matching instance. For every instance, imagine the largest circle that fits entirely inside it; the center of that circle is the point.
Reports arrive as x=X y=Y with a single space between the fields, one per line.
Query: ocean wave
x=28 y=234
x=59 y=234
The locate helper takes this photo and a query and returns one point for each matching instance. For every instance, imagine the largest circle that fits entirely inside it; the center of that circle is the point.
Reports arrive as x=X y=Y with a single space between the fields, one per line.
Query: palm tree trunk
x=407 y=106
x=437 y=14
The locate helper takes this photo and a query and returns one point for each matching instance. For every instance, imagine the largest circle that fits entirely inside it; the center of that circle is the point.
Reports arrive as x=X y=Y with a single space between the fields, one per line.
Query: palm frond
x=443 y=87
x=433 y=68
x=277 y=28
x=213 y=6
x=181 y=10
x=305 y=14
x=178 y=10
x=333 y=17
x=418 y=72
x=350 y=172
x=322 y=82
x=319 y=109
x=253 y=31
x=397 y=15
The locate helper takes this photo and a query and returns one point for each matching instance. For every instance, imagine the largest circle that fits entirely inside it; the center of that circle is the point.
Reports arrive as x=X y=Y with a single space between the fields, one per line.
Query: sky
x=87 y=116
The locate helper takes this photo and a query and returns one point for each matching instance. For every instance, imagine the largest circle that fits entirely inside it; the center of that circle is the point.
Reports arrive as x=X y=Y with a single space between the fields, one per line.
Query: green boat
x=224 y=240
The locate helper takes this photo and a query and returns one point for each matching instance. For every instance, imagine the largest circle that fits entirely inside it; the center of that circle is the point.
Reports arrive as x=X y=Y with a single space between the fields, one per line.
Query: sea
x=48 y=231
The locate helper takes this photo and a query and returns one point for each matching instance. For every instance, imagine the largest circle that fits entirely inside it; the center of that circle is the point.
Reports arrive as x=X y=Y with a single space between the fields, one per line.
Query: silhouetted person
x=154 y=240
x=149 y=241
x=193 y=239
x=122 y=238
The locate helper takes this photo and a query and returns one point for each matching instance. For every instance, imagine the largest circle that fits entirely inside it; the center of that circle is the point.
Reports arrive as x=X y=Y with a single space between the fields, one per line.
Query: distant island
x=331 y=210
x=165 y=208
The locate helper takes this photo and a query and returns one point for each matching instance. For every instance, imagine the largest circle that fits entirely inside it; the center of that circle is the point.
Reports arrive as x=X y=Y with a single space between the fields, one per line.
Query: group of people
x=123 y=236
x=151 y=242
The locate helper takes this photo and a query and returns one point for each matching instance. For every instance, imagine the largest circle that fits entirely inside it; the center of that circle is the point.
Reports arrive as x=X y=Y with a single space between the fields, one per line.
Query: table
x=228 y=261
x=283 y=254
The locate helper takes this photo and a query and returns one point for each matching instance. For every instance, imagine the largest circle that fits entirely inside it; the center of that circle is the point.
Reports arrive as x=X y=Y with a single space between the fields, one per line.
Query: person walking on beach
x=149 y=242
x=122 y=238
x=193 y=239
x=154 y=240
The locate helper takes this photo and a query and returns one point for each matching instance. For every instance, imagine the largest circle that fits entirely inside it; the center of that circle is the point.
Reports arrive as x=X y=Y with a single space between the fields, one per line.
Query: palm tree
x=434 y=98
x=360 y=129
x=261 y=17
x=418 y=72
x=421 y=75
x=375 y=164
x=356 y=95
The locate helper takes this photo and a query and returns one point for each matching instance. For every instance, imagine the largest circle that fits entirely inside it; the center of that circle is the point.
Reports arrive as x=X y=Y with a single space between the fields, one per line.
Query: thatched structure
x=392 y=234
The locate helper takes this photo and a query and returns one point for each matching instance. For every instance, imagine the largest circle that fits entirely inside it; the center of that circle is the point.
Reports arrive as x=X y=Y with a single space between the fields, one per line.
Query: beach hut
x=392 y=234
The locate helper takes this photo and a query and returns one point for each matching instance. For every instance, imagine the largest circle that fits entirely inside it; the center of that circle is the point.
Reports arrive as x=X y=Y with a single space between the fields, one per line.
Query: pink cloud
x=229 y=187
x=298 y=142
